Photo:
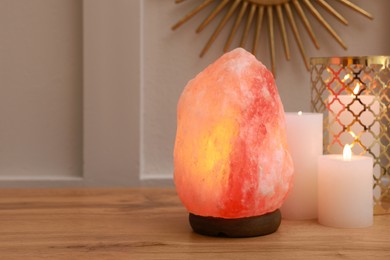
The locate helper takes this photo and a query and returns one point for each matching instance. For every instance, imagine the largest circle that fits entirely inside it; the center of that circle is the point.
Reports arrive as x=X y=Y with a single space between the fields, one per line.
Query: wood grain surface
x=152 y=224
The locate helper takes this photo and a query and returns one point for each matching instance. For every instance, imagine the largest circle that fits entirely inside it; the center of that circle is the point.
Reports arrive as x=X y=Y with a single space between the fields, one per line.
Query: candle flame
x=347 y=153
x=299 y=113
x=346 y=77
x=356 y=89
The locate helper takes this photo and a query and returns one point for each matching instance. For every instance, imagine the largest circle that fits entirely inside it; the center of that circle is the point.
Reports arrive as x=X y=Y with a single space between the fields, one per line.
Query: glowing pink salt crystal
x=231 y=158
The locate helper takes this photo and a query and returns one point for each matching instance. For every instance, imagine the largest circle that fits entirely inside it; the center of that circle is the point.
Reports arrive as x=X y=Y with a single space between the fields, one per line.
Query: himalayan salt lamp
x=232 y=167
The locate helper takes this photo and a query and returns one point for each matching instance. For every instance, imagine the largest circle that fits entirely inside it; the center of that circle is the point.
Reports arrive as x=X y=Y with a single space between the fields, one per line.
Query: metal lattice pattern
x=354 y=95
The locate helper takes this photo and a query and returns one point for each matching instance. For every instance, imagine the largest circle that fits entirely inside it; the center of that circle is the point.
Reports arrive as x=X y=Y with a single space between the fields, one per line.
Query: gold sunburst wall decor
x=255 y=11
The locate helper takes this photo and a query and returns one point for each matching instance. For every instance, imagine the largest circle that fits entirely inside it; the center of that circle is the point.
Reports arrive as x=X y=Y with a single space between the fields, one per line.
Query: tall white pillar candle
x=345 y=195
x=304 y=138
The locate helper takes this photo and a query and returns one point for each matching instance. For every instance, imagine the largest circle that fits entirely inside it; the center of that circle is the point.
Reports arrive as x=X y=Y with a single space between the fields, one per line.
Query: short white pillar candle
x=345 y=195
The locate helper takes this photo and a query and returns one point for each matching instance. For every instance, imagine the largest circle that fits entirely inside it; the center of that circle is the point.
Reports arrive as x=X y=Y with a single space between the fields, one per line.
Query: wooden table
x=152 y=224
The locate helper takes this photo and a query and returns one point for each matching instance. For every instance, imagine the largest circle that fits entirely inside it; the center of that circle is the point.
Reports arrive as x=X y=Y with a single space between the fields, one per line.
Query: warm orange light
x=215 y=146
x=347 y=153
x=231 y=158
x=299 y=113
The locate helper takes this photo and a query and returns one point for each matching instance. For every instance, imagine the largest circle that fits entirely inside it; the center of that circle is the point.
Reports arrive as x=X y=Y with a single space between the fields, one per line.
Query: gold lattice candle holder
x=354 y=95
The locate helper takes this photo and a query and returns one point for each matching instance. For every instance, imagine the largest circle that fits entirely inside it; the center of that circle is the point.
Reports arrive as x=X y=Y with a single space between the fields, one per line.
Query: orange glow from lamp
x=232 y=166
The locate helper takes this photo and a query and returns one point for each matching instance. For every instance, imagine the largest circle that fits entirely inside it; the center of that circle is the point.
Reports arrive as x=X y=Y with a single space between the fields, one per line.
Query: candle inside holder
x=352 y=112
x=345 y=195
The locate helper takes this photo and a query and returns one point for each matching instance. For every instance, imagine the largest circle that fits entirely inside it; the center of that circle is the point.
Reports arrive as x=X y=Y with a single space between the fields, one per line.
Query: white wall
x=114 y=47
x=40 y=89
x=111 y=92
x=170 y=59
x=69 y=93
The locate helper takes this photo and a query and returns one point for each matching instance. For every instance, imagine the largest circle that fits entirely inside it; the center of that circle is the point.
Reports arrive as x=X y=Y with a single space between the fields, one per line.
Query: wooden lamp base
x=239 y=227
